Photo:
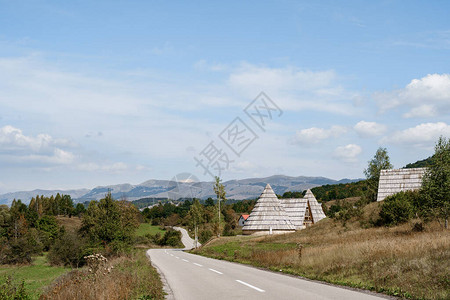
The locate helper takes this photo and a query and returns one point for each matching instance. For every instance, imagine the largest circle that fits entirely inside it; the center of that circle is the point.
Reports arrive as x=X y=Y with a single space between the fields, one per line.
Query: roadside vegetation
x=128 y=276
x=50 y=239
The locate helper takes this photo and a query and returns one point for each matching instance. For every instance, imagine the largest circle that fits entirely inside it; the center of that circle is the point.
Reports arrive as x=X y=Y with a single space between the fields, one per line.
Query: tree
x=209 y=202
x=435 y=201
x=49 y=228
x=219 y=190
x=110 y=222
x=379 y=162
x=79 y=209
x=196 y=217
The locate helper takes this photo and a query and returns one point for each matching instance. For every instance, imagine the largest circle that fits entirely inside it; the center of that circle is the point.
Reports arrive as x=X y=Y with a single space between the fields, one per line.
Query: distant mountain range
x=236 y=189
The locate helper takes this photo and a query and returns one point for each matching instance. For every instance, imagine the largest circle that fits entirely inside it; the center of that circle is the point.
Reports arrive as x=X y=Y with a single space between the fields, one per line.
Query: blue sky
x=104 y=92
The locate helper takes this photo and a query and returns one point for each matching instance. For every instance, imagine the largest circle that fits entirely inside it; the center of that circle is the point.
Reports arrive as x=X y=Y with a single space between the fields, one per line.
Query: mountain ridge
x=238 y=189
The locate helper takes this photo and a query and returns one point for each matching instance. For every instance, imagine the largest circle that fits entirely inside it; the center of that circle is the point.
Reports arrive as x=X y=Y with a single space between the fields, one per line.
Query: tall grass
x=392 y=260
x=131 y=277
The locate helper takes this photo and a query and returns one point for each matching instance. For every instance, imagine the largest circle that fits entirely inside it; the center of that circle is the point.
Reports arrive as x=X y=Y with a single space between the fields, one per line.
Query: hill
x=329 y=192
x=420 y=163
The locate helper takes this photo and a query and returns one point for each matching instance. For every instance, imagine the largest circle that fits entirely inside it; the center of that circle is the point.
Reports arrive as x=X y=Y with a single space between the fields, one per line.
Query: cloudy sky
x=105 y=92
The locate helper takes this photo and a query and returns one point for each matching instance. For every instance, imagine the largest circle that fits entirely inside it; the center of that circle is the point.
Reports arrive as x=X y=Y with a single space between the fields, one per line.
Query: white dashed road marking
x=198 y=264
x=251 y=286
x=185 y=260
x=216 y=271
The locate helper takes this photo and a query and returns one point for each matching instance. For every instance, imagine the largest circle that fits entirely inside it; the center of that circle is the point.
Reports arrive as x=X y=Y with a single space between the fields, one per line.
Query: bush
x=171 y=238
x=398 y=208
x=12 y=291
x=68 y=250
x=343 y=211
x=16 y=252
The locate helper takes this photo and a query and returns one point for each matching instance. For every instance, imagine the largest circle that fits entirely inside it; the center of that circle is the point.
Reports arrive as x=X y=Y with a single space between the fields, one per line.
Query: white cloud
x=243 y=167
x=425 y=97
x=114 y=167
x=293 y=88
x=41 y=149
x=289 y=78
x=203 y=65
x=425 y=135
x=425 y=110
x=314 y=135
x=348 y=153
x=369 y=129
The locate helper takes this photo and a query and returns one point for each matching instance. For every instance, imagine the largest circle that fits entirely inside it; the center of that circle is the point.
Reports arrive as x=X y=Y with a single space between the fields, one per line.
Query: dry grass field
x=396 y=260
x=70 y=224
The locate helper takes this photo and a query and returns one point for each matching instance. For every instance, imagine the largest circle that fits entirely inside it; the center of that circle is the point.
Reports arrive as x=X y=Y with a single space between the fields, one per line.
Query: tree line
x=107 y=226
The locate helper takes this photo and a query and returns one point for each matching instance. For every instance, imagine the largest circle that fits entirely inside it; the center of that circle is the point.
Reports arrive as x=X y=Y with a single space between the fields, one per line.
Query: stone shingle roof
x=316 y=208
x=295 y=209
x=267 y=214
x=396 y=180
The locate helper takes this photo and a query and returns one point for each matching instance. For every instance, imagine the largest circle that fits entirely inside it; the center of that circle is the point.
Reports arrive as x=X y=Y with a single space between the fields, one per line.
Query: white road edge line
x=251 y=286
x=216 y=271
x=185 y=260
x=198 y=264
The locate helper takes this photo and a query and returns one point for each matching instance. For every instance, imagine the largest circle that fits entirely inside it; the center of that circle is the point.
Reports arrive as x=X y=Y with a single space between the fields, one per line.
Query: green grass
x=146 y=228
x=36 y=276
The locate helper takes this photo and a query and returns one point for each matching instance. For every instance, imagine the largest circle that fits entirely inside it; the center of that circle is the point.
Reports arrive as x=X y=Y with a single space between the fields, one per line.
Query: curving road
x=186 y=239
x=188 y=276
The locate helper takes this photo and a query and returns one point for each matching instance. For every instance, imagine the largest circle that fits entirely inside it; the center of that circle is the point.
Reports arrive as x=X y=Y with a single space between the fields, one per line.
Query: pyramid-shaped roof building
x=268 y=216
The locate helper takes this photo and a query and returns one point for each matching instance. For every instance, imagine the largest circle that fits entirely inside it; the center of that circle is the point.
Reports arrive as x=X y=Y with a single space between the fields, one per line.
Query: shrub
x=16 y=251
x=12 y=291
x=171 y=238
x=398 y=208
x=68 y=250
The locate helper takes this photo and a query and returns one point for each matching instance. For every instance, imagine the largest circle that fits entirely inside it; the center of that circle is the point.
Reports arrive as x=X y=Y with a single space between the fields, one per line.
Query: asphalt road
x=188 y=276
x=186 y=239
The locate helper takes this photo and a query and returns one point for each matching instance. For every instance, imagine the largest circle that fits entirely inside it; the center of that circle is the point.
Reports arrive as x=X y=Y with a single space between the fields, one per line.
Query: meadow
x=147 y=228
x=36 y=276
